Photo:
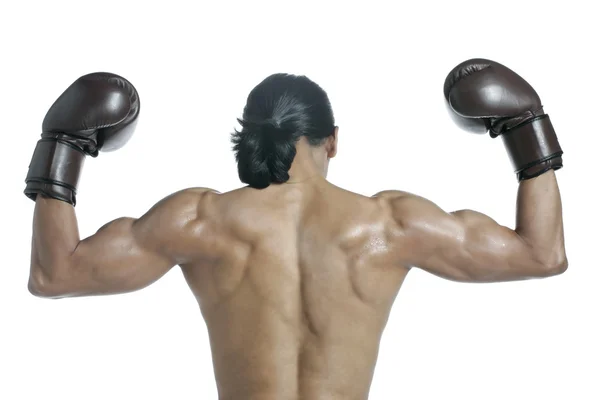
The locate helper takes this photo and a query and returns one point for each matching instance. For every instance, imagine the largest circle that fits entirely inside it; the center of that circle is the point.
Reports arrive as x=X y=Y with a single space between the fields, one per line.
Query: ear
x=332 y=143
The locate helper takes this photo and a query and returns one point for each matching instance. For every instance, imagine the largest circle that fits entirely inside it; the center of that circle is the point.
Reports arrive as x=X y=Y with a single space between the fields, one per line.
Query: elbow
x=35 y=288
x=555 y=268
x=40 y=285
x=560 y=267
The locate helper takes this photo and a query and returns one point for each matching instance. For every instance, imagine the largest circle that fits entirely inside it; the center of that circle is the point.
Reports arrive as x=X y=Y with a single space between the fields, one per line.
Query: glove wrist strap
x=533 y=148
x=54 y=170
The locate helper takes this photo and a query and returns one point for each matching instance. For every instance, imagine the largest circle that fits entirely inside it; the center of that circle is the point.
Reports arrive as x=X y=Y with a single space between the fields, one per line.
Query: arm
x=468 y=246
x=123 y=256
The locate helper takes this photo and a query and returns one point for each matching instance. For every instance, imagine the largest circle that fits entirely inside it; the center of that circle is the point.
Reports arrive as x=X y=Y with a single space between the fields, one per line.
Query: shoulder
x=181 y=207
x=399 y=199
x=191 y=194
x=407 y=208
x=188 y=198
x=392 y=194
x=180 y=223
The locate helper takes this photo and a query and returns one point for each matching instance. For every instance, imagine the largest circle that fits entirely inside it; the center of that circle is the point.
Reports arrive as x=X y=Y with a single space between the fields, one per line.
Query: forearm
x=55 y=238
x=539 y=219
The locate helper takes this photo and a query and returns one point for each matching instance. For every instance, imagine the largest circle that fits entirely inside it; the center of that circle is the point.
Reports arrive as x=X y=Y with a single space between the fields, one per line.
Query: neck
x=305 y=166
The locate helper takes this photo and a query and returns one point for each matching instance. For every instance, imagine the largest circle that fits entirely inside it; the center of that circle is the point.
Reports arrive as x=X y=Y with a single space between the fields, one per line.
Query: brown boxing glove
x=485 y=96
x=98 y=112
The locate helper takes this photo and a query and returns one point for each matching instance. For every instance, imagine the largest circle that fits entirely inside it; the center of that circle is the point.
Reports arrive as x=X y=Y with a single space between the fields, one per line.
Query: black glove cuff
x=533 y=147
x=54 y=170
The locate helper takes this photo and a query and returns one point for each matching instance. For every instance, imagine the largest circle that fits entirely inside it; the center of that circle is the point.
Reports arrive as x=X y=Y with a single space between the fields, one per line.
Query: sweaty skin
x=296 y=281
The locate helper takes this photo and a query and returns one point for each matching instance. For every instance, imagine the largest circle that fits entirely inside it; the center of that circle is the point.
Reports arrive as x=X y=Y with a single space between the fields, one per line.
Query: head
x=286 y=118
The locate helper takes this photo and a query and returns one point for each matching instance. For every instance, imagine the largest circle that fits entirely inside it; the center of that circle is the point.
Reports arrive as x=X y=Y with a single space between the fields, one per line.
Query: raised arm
x=126 y=254
x=98 y=112
x=469 y=246
x=486 y=96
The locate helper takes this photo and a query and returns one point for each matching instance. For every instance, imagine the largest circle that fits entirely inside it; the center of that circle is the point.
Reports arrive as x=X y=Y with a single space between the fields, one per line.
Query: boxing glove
x=98 y=112
x=486 y=96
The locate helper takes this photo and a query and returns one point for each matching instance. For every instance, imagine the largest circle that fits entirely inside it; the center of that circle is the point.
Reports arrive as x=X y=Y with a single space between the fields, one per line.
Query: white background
x=383 y=65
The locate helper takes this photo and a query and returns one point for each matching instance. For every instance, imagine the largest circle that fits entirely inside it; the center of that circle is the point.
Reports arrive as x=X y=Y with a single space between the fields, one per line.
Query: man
x=295 y=277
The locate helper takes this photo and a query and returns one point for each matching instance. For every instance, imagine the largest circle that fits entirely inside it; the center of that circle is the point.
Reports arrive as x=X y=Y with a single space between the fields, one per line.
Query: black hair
x=279 y=111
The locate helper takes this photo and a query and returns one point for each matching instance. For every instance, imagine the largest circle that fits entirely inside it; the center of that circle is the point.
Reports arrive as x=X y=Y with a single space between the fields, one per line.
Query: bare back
x=295 y=281
x=298 y=291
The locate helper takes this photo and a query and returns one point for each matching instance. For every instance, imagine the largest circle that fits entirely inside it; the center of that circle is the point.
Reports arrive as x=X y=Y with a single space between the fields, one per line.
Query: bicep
x=118 y=258
x=464 y=245
x=129 y=254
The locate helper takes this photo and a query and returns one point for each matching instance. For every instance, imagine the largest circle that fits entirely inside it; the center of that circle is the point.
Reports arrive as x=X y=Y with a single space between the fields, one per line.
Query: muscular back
x=296 y=291
x=295 y=281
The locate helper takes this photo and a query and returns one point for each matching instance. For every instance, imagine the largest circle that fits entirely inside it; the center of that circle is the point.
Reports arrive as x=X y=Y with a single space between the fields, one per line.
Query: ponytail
x=265 y=151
